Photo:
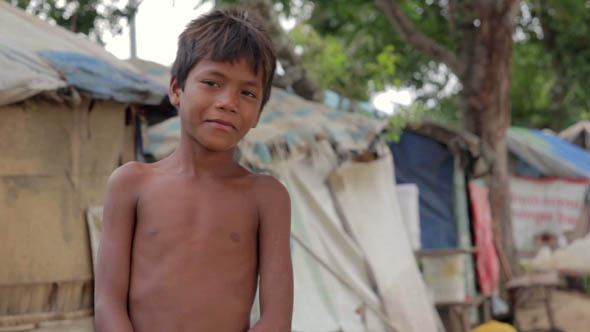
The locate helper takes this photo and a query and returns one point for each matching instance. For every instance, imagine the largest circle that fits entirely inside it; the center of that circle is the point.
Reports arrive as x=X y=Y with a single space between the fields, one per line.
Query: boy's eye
x=249 y=94
x=210 y=83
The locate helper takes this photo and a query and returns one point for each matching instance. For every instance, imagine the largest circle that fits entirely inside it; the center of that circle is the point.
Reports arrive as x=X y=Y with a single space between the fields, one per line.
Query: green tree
x=89 y=17
x=328 y=61
x=531 y=86
x=470 y=39
x=540 y=80
x=554 y=56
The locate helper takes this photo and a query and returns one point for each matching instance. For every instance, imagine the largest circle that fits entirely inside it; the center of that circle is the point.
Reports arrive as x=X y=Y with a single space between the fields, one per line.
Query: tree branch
x=417 y=39
x=295 y=74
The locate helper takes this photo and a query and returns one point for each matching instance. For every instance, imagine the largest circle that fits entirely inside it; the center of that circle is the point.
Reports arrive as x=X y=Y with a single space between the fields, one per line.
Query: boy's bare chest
x=175 y=211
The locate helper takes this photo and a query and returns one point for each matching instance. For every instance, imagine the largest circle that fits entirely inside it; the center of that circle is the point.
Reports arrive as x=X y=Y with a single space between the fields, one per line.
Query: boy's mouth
x=222 y=123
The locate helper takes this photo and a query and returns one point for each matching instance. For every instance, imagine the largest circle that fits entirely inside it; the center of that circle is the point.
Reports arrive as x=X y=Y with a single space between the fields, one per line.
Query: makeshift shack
x=454 y=215
x=549 y=190
x=353 y=264
x=439 y=160
x=65 y=124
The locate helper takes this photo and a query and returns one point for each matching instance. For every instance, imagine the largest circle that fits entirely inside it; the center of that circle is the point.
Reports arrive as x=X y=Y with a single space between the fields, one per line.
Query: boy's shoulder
x=270 y=189
x=129 y=173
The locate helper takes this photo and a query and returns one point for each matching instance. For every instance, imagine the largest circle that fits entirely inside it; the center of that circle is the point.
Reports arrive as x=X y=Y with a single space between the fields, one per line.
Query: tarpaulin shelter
x=64 y=126
x=549 y=188
x=442 y=161
x=353 y=264
x=438 y=159
x=578 y=133
x=540 y=154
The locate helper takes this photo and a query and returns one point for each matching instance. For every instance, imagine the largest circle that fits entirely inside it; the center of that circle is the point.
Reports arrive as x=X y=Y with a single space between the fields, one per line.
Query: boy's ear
x=174 y=92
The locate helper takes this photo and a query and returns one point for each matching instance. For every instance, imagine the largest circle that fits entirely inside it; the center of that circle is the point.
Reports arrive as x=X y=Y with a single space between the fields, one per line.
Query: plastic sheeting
x=35 y=35
x=546 y=205
x=154 y=71
x=461 y=214
x=104 y=81
x=429 y=164
x=24 y=74
x=487 y=263
x=84 y=64
x=369 y=264
x=550 y=155
x=322 y=303
x=289 y=128
x=366 y=194
x=408 y=197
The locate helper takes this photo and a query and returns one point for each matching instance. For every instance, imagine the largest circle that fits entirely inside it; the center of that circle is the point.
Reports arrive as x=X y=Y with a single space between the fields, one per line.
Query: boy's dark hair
x=226 y=35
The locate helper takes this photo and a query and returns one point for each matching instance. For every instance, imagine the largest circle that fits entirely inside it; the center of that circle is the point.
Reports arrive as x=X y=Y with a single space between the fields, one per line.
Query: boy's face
x=220 y=102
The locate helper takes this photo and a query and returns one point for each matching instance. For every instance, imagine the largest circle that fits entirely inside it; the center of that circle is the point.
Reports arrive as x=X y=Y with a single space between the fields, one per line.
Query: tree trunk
x=483 y=66
x=486 y=112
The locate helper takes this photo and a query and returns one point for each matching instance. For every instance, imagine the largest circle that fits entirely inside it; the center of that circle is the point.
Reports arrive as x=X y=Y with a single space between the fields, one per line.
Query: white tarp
x=366 y=193
x=322 y=302
x=408 y=195
x=551 y=205
x=24 y=74
x=36 y=56
x=34 y=34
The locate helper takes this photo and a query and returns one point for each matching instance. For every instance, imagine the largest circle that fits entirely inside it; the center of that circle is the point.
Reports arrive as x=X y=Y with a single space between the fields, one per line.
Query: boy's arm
x=114 y=253
x=276 y=271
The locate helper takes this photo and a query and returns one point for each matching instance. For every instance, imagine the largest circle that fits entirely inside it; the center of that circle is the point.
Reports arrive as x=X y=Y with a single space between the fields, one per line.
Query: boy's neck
x=194 y=159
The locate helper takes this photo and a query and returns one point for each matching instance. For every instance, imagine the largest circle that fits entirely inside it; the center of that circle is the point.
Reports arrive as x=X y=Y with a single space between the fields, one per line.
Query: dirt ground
x=571 y=311
x=77 y=325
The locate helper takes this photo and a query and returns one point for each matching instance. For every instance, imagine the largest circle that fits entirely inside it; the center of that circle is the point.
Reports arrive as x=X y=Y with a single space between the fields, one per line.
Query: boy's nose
x=227 y=101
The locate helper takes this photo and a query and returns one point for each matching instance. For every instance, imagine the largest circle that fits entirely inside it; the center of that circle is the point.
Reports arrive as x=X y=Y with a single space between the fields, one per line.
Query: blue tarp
x=543 y=154
x=428 y=164
x=102 y=80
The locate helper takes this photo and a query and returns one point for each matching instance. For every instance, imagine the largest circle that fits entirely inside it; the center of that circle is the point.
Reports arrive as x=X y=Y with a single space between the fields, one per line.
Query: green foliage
x=398 y=121
x=329 y=64
x=554 y=55
x=531 y=86
x=382 y=71
x=89 y=17
x=367 y=33
x=552 y=50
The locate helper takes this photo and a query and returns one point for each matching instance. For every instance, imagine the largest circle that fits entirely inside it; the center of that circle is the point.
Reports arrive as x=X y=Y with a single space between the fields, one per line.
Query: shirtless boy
x=186 y=239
